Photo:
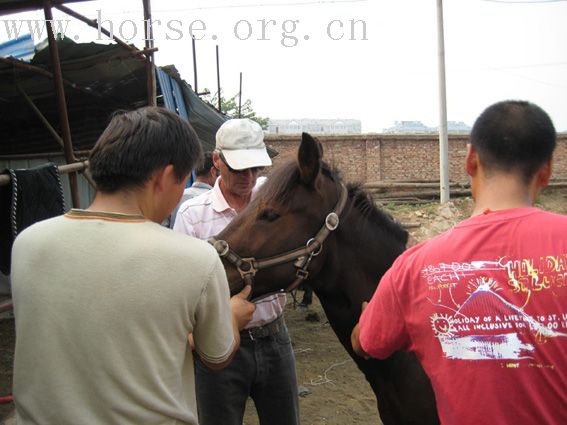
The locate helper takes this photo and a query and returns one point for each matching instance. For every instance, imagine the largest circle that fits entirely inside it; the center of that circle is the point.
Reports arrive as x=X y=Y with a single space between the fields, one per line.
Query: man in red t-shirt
x=484 y=305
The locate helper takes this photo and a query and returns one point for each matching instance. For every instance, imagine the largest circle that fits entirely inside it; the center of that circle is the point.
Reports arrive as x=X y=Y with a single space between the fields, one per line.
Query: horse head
x=278 y=235
x=304 y=224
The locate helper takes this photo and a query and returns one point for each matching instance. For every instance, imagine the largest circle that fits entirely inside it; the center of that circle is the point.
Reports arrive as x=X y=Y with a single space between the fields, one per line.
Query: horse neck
x=341 y=310
x=351 y=273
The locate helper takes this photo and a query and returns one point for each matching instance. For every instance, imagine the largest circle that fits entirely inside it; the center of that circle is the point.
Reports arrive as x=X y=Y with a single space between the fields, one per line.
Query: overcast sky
x=301 y=59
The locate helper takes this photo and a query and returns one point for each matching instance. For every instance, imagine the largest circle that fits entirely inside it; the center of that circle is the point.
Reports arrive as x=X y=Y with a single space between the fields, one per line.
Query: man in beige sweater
x=105 y=298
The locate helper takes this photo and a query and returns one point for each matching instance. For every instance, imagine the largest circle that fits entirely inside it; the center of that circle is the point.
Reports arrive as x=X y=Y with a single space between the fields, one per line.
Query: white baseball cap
x=241 y=142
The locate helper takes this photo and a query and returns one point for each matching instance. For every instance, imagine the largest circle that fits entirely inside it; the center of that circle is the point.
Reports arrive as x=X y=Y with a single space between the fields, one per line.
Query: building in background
x=315 y=126
x=409 y=127
x=457 y=127
x=417 y=127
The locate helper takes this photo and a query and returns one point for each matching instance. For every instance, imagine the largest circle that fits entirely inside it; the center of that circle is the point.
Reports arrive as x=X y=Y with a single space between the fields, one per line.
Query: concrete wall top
x=395 y=157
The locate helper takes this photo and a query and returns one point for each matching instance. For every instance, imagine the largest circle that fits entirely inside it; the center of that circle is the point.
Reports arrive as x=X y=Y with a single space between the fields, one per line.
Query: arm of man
x=216 y=334
x=242 y=311
x=381 y=329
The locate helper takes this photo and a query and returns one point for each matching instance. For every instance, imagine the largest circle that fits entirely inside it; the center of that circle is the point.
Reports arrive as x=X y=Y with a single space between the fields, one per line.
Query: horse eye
x=268 y=215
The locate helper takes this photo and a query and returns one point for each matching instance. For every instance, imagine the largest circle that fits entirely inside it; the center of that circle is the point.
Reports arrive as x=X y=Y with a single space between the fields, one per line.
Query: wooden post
x=61 y=103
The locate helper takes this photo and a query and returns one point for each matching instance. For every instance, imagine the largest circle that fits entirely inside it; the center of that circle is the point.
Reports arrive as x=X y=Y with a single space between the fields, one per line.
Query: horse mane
x=278 y=190
x=364 y=204
x=368 y=210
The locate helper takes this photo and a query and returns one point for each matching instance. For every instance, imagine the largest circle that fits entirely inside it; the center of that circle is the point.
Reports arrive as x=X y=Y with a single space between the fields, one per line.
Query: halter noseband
x=247 y=267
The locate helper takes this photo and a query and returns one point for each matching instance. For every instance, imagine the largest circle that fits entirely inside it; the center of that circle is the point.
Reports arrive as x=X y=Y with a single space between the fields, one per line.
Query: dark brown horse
x=287 y=231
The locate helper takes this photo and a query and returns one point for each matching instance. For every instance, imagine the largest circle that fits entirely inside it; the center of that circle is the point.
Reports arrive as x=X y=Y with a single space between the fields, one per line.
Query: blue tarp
x=20 y=48
x=172 y=95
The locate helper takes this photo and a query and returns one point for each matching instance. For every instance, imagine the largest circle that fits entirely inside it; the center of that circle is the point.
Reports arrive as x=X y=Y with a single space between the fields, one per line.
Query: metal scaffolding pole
x=61 y=104
x=63 y=169
x=240 y=98
x=149 y=38
x=218 y=80
x=443 y=137
x=194 y=64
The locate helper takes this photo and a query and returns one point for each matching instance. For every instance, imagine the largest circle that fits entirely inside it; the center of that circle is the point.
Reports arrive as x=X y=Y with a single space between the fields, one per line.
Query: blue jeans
x=263 y=369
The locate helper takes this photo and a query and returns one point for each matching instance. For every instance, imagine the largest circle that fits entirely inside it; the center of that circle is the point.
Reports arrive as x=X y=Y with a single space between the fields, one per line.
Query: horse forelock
x=279 y=188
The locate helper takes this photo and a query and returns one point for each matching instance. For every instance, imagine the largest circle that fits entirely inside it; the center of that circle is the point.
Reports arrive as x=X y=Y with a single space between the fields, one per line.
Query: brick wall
x=390 y=157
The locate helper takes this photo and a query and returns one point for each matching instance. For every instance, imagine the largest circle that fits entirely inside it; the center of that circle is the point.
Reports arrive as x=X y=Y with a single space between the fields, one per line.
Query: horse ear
x=309 y=157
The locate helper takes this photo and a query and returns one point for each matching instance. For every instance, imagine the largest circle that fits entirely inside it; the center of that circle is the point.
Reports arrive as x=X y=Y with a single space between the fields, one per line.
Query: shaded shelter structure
x=100 y=80
x=54 y=107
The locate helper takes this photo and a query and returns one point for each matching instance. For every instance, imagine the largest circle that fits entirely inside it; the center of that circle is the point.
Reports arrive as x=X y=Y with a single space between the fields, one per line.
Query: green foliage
x=230 y=108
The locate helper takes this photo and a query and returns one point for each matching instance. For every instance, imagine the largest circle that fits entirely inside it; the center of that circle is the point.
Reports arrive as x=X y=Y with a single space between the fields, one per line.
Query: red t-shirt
x=484 y=307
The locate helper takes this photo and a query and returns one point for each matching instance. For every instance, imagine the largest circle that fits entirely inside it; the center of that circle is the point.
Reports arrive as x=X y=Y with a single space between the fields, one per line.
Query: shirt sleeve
x=213 y=332
x=382 y=323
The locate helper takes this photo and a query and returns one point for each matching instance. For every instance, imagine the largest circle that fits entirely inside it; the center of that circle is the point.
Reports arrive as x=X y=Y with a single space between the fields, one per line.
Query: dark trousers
x=263 y=369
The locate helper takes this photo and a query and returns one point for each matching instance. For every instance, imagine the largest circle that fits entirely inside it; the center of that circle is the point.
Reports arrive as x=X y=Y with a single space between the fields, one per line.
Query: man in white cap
x=264 y=366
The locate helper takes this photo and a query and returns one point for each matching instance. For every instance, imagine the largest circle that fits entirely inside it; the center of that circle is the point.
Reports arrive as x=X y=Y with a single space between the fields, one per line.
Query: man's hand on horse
x=242 y=309
x=354 y=336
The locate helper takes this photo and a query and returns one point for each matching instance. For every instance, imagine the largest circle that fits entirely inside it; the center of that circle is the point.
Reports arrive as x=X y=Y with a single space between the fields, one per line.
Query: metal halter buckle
x=221 y=247
x=332 y=221
x=248 y=269
x=316 y=252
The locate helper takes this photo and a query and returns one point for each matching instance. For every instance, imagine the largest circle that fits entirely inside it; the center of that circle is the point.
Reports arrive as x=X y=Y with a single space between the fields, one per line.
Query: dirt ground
x=334 y=391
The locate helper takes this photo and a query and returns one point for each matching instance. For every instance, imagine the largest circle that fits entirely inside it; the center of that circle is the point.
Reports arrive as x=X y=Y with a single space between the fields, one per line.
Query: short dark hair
x=206 y=166
x=514 y=136
x=137 y=143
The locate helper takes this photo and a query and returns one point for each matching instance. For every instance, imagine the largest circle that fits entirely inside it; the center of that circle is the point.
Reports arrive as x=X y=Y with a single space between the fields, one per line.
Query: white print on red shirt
x=484 y=310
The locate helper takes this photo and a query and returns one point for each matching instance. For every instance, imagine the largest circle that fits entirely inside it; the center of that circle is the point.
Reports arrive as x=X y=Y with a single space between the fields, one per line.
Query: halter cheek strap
x=248 y=267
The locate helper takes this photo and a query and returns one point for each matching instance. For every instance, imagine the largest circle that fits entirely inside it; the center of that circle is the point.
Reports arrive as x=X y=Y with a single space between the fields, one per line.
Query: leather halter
x=247 y=267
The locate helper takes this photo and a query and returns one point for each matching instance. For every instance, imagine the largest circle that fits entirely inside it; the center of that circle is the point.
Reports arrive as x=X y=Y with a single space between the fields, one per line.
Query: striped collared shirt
x=207 y=215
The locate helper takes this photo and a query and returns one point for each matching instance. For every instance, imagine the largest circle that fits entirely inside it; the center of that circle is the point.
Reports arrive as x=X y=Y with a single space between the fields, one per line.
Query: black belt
x=268 y=329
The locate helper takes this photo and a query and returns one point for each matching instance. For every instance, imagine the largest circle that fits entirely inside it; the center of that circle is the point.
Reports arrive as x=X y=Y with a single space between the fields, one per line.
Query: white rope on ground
x=325 y=379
